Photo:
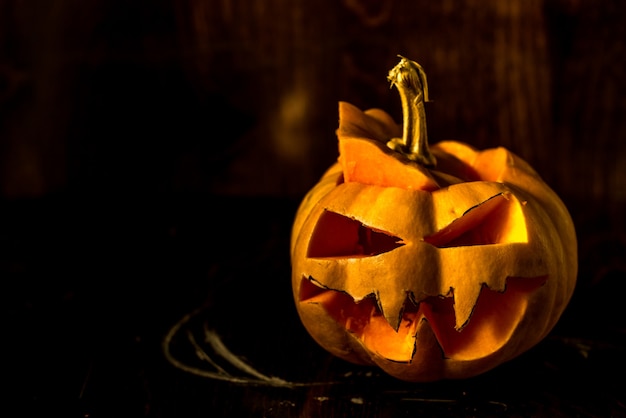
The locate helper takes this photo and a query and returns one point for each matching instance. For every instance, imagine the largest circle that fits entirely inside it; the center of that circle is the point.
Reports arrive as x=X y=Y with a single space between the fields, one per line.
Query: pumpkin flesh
x=489 y=329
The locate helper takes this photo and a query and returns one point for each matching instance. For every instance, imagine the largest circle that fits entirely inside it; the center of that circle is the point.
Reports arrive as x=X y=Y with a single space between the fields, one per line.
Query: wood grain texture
x=543 y=78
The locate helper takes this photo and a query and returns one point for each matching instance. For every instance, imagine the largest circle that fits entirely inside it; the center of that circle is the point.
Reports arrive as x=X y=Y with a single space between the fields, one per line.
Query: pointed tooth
x=392 y=304
x=465 y=299
x=463 y=271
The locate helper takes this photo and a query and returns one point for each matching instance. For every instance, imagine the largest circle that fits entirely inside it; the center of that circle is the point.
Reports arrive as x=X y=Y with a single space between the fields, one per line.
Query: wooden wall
x=246 y=93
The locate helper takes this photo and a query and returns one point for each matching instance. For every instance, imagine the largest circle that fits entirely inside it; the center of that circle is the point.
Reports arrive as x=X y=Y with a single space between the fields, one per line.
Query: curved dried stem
x=410 y=80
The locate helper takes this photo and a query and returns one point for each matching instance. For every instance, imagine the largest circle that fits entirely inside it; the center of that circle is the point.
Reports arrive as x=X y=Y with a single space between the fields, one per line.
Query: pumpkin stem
x=410 y=80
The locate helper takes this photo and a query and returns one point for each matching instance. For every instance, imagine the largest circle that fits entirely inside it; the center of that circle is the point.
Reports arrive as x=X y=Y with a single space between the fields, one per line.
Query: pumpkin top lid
x=375 y=150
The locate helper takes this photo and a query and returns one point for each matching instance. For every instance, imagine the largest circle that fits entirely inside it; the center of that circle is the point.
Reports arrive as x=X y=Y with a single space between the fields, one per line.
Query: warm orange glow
x=495 y=317
x=367 y=162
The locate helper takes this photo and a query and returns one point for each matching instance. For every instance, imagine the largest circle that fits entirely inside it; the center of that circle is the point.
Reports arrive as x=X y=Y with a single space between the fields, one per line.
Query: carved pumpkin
x=430 y=263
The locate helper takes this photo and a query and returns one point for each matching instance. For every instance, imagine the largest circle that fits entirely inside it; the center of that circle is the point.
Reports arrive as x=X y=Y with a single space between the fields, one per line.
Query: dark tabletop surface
x=181 y=306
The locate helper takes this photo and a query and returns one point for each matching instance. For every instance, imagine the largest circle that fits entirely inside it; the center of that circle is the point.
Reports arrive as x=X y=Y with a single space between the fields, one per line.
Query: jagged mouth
x=493 y=320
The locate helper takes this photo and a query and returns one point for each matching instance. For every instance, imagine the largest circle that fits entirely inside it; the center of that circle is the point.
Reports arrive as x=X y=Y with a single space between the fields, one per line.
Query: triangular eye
x=497 y=220
x=336 y=235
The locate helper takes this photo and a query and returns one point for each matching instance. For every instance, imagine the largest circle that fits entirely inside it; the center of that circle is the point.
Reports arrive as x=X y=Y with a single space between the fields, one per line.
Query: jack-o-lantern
x=430 y=263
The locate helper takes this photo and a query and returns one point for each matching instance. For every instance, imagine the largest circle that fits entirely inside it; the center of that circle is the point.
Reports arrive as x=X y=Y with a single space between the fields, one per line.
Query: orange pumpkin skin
x=429 y=274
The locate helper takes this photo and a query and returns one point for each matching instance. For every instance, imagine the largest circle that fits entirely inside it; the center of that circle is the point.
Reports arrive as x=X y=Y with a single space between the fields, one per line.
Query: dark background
x=152 y=154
